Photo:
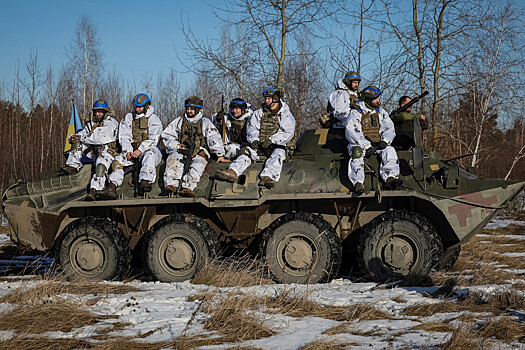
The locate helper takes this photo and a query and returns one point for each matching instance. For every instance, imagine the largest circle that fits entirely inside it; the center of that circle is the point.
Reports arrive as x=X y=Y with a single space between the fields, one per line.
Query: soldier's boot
x=267 y=182
x=169 y=190
x=68 y=170
x=392 y=183
x=359 y=189
x=108 y=193
x=228 y=175
x=186 y=192
x=92 y=195
x=145 y=186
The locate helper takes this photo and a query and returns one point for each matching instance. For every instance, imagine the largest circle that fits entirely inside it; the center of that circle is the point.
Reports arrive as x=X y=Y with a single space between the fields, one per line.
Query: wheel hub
x=179 y=254
x=298 y=253
x=88 y=255
x=398 y=253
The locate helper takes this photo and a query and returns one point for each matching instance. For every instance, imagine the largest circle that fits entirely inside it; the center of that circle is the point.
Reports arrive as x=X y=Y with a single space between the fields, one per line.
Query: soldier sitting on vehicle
x=370 y=131
x=341 y=101
x=188 y=141
x=232 y=126
x=98 y=140
x=408 y=133
x=268 y=131
x=139 y=134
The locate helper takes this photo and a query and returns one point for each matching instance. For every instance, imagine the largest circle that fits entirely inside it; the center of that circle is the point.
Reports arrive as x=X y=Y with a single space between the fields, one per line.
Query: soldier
x=342 y=100
x=408 y=115
x=268 y=131
x=370 y=131
x=232 y=126
x=139 y=134
x=189 y=136
x=98 y=140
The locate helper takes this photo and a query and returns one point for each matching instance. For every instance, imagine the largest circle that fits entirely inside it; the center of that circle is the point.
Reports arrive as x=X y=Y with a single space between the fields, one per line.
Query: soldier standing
x=370 y=131
x=98 y=141
x=139 y=134
x=191 y=136
x=232 y=126
x=408 y=115
x=342 y=100
x=268 y=131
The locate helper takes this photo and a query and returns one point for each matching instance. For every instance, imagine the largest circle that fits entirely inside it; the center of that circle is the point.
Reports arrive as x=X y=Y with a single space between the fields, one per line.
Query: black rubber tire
x=449 y=258
x=88 y=239
x=195 y=241
x=398 y=244
x=306 y=233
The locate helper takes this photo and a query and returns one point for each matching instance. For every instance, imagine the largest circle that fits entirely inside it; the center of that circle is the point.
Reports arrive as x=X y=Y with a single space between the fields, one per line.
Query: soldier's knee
x=357 y=152
x=101 y=170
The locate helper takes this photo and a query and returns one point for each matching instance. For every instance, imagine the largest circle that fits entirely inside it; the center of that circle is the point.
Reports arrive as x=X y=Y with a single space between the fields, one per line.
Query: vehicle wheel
x=398 y=244
x=450 y=256
x=93 y=248
x=176 y=247
x=301 y=248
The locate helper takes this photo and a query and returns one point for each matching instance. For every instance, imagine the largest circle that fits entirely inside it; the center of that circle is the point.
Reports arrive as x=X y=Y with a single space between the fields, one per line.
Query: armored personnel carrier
x=301 y=227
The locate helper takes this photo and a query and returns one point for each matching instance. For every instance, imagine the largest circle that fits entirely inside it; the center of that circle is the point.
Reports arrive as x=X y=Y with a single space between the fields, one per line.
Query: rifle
x=408 y=105
x=187 y=152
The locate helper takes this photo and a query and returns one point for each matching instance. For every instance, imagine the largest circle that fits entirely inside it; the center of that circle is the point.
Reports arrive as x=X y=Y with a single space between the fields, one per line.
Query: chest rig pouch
x=191 y=136
x=237 y=130
x=111 y=147
x=370 y=126
x=139 y=130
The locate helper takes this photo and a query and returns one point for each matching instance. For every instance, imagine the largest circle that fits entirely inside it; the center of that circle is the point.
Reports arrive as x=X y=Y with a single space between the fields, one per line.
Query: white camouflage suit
x=340 y=101
x=231 y=149
x=99 y=136
x=150 y=155
x=274 y=164
x=354 y=134
x=174 y=163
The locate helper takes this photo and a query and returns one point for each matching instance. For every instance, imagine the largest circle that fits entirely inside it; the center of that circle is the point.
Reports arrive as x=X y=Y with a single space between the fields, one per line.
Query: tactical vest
x=111 y=147
x=192 y=132
x=139 y=130
x=237 y=130
x=269 y=125
x=370 y=125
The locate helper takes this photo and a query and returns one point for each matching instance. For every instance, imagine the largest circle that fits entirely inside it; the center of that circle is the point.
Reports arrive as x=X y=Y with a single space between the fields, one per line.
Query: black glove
x=369 y=151
x=256 y=144
x=381 y=145
x=219 y=117
x=266 y=144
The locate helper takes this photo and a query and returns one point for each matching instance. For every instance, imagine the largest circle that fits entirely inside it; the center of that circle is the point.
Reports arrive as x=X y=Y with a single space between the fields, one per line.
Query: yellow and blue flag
x=75 y=125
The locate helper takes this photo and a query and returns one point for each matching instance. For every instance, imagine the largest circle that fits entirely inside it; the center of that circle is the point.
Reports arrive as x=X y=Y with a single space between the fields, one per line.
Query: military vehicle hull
x=305 y=227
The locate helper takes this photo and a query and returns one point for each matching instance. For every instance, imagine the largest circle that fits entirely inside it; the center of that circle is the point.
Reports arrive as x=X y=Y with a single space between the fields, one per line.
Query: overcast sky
x=138 y=38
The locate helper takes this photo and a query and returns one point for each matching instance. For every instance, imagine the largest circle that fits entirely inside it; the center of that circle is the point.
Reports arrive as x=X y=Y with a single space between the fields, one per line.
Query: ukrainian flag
x=75 y=125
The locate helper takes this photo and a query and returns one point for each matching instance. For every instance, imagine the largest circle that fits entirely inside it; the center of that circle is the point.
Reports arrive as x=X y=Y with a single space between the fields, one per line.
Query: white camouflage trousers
x=148 y=171
x=389 y=166
x=175 y=168
x=232 y=150
x=272 y=166
x=97 y=182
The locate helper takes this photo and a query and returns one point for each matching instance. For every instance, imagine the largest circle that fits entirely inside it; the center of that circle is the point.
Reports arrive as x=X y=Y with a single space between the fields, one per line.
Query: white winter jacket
x=154 y=130
x=286 y=126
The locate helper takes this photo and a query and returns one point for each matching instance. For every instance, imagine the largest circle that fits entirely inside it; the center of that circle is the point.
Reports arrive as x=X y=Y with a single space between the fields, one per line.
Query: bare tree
x=86 y=60
x=34 y=78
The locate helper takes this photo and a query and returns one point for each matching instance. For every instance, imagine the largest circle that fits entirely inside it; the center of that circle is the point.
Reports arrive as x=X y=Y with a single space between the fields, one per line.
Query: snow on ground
x=161 y=312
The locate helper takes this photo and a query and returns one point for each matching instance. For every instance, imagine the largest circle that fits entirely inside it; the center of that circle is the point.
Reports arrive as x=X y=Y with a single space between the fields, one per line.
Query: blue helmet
x=101 y=105
x=141 y=100
x=370 y=93
x=238 y=103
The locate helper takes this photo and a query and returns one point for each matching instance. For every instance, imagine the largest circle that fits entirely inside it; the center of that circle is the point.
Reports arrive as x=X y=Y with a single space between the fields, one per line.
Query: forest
x=468 y=54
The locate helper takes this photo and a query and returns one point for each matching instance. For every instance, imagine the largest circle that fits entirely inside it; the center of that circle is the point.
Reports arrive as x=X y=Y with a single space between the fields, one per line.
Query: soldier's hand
x=369 y=152
x=256 y=144
x=381 y=145
x=223 y=160
x=74 y=139
x=267 y=143
x=136 y=153
x=220 y=117
x=129 y=155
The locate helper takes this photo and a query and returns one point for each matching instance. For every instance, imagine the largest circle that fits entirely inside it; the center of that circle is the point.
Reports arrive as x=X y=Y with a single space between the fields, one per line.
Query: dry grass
x=49 y=288
x=327 y=345
x=233 y=272
x=503 y=329
x=434 y=327
x=464 y=338
x=53 y=315
x=38 y=343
